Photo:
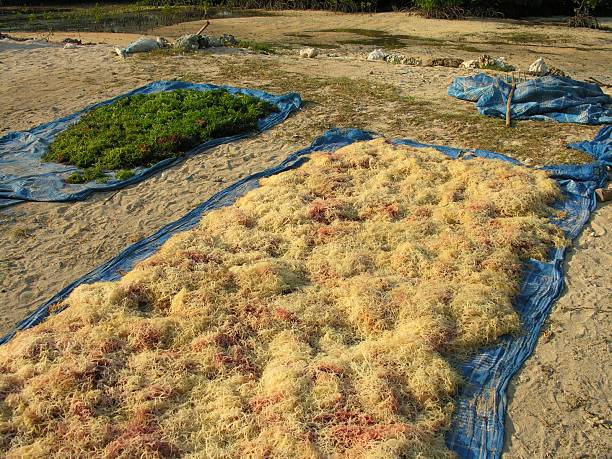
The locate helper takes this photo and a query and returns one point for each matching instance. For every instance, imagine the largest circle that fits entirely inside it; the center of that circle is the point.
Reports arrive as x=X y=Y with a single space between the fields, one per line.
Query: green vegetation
x=133 y=18
x=144 y=15
x=142 y=130
x=381 y=38
x=256 y=46
x=433 y=4
x=582 y=14
x=98 y=18
x=383 y=107
x=141 y=15
x=528 y=37
x=260 y=47
x=452 y=9
x=124 y=174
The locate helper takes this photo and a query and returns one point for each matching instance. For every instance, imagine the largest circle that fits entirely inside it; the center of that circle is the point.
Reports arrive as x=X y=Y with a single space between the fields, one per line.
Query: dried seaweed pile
x=319 y=316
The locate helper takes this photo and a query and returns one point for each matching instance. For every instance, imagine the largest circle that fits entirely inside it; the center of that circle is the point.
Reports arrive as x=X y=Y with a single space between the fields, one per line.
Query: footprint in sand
x=598 y=230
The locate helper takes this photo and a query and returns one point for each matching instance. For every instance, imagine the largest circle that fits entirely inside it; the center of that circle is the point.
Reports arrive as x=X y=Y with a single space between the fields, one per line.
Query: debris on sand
x=452 y=62
x=555 y=71
x=604 y=194
x=395 y=58
x=471 y=64
x=208 y=41
x=377 y=55
x=5 y=36
x=142 y=45
x=193 y=42
x=486 y=62
x=189 y=42
x=74 y=41
x=539 y=67
x=309 y=53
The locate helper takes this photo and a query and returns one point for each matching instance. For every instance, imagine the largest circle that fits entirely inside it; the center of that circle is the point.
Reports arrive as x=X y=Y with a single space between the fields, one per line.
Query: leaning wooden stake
x=203 y=27
x=599 y=83
x=509 y=104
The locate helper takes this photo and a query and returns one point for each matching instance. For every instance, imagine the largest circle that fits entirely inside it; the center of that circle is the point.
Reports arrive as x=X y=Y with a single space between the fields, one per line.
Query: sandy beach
x=559 y=403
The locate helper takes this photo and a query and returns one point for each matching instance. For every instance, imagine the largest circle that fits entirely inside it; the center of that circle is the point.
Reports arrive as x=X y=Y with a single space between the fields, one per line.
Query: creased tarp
x=24 y=177
x=600 y=147
x=478 y=425
x=548 y=98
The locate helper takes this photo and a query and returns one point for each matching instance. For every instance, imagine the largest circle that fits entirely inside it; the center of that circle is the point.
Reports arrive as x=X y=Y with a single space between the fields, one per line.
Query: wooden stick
x=509 y=104
x=603 y=85
x=203 y=27
x=110 y=197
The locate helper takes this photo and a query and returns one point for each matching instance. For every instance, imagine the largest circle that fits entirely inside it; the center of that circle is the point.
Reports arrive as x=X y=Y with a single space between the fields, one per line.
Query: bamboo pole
x=203 y=27
x=509 y=104
x=599 y=83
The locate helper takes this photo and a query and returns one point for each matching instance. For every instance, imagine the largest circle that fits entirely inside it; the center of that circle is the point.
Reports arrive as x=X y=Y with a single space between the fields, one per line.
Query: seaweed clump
x=144 y=129
x=318 y=316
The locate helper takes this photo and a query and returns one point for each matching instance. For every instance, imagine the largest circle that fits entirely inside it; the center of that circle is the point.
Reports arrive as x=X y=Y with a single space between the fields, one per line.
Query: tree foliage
x=508 y=8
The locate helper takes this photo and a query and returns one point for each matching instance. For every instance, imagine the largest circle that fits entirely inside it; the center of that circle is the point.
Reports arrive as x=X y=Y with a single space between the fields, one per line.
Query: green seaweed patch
x=141 y=130
x=125 y=174
x=87 y=175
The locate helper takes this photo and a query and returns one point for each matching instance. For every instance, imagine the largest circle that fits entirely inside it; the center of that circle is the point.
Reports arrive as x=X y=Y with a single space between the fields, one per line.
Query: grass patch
x=513 y=39
x=384 y=42
x=142 y=130
x=365 y=104
x=257 y=46
x=320 y=45
x=380 y=106
x=363 y=32
x=528 y=37
x=298 y=35
x=467 y=48
x=382 y=39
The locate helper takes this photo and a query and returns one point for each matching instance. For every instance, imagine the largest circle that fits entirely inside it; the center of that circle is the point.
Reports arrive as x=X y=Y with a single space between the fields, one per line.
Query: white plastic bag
x=539 y=67
x=377 y=55
x=471 y=64
x=309 y=53
x=142 y=45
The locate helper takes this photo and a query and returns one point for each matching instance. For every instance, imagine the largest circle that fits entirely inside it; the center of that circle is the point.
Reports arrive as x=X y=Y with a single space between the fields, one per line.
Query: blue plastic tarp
x=478 y=425
x=600 y=147
x=24 y=177
x=548 y=98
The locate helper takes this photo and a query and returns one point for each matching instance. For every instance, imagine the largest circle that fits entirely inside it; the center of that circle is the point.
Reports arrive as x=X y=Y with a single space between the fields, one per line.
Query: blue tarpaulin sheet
x=24 y=177
x=600 y=147
x=478 y=425
x=549 y=98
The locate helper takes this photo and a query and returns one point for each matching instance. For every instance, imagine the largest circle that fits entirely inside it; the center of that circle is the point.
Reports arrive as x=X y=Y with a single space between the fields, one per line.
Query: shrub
x=431 y=4
x=144 y=129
